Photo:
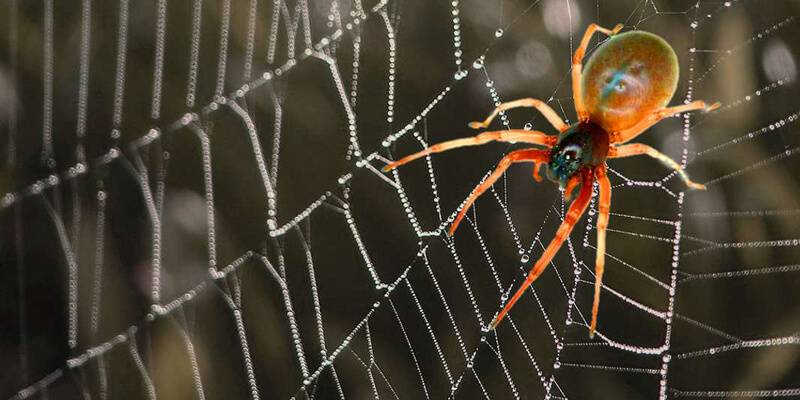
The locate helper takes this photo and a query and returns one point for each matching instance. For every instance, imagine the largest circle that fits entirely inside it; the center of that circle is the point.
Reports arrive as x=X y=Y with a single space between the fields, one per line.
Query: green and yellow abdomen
x=627 y=78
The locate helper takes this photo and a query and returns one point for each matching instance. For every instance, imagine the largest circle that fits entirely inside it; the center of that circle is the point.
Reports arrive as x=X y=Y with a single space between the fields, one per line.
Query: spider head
x=582 y=145
x=564 y=163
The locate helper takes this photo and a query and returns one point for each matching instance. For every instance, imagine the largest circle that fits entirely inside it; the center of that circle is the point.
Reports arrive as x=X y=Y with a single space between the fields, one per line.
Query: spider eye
x=571 y=153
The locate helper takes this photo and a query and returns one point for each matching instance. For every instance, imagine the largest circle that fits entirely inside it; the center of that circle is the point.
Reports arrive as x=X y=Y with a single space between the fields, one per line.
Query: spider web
x=195 y=207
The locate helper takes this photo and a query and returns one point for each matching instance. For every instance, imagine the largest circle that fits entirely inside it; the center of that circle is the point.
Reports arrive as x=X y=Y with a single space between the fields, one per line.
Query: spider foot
x=453 y=226
x=389 y=167
x=478 y=125
x=712 y=107
x=494 y=323
x=616 y=29
x=695 y=185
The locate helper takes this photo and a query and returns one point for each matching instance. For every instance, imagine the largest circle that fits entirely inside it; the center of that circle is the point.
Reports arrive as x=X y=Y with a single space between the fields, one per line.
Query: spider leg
x=636 y=149
x=528 y=155
x=543 y=108
x=604 y=206
x=510 y=136
x=576 y=209
x=626 y=135
x=577 y=66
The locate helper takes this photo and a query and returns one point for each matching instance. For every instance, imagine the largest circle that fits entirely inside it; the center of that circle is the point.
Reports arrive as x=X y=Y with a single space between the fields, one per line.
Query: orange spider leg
x=576 y=209
x=577 y=66
x=636 y=149
x=604 y=206
x=510 y=136
x=626 y=135
x=528 y=155
x=543 y=108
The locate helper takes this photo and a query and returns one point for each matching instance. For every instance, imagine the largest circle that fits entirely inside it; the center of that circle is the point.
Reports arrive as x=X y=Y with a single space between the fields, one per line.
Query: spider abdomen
x=627 y=78
x=583 y=145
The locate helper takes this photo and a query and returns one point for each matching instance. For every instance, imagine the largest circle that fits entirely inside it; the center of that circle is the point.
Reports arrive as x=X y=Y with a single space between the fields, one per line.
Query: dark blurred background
x=425 y=337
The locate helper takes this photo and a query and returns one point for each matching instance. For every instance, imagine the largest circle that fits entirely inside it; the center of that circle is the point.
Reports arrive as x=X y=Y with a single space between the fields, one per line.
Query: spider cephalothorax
x=583 y=145
x=625 y=89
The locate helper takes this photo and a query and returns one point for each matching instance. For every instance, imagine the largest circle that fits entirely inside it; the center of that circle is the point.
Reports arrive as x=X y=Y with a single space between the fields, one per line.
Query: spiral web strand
x=418 y=327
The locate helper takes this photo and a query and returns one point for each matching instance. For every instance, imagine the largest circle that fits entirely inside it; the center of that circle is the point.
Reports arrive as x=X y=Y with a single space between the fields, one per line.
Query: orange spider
x=627 y=84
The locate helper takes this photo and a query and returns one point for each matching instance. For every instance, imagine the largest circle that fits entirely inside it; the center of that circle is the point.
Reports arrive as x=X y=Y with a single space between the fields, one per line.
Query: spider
x=624 y=90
